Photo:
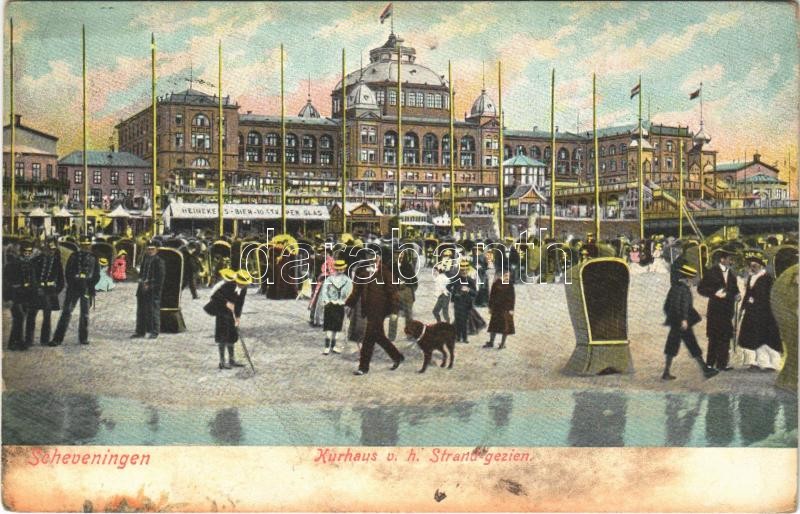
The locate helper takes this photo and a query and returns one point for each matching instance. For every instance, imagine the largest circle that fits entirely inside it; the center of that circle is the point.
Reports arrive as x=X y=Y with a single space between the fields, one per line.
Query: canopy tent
x=38 y=213
x=119 y=212
x=62 y=213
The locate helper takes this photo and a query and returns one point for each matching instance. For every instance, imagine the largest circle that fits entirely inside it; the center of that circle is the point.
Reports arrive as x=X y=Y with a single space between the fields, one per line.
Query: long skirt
x=334 y=317
x=501 y=322
x=475 y=323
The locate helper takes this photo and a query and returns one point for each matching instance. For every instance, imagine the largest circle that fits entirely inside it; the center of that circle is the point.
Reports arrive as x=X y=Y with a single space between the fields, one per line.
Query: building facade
x=114 y=177
x=37 y=181
x=420 y=151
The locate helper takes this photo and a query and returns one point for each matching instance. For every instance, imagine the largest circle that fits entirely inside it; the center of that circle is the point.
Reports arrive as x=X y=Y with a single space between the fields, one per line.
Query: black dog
x=433 y=337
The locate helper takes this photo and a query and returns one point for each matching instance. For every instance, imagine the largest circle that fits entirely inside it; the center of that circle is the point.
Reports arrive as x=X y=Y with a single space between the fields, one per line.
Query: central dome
x=383 y=67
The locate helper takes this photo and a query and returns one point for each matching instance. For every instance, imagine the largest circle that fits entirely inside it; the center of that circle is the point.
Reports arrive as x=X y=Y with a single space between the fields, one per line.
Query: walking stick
x=247 y=354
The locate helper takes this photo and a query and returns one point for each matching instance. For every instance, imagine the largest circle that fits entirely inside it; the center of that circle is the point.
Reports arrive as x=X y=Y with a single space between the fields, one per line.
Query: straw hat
x=103 y=261
x=227 y=274
x=464 y=264
x=243 y=278
x=340 y=265
x=688 y=271
x=755 y=256
x=121 y=253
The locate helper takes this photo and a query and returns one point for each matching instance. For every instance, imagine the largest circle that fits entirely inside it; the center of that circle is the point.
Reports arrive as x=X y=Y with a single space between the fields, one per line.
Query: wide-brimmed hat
x=755 y=256
x=243 y=278
x=464 y=264
x=103 y=261
x=688 y=271
x=122 y=252
x=227 y=274
x=340 y=265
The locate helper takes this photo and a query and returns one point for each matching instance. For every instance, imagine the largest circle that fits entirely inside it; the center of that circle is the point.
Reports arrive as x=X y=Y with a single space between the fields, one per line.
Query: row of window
x=113 y=177
x=115 y=194
x=272 y=139
x=36 y=171
x=407 y=99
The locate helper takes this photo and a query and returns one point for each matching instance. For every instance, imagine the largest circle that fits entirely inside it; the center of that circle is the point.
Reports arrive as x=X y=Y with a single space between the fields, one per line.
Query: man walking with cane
x=720 y=287
x=148 y=294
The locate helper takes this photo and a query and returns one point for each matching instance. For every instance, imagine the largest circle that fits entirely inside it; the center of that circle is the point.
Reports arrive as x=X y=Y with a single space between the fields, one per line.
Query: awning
x=414 y=218
x=62 y=213
x=181 y=210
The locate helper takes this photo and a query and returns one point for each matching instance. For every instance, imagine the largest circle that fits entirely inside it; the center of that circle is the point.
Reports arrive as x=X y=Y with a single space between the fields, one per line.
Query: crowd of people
x=366 y=280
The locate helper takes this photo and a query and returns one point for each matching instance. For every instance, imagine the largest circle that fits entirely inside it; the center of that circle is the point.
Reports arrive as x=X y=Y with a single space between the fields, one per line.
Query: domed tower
x=633 y=154
x=482 y=107
x=701 y=160
x=425 y=93
x=308 y=111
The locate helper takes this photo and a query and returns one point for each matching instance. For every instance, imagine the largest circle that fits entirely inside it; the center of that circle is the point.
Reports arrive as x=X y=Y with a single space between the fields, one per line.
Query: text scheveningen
x=75 y=457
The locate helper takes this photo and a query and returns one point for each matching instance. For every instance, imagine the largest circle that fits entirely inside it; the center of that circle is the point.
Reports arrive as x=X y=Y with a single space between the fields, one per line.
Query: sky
x=744 y=53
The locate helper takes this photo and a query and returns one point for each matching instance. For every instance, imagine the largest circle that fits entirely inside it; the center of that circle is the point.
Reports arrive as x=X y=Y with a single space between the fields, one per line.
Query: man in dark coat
x=480 y=263
x=462 y=293
x=148 y=294
x=720 y=287
x=405 y=272
x=501 y=307
x=20 y=272
x=759 y=335
x=81 y=274
x=681 y=317
x=49 y=282
x=190 y=267
x=377 y=298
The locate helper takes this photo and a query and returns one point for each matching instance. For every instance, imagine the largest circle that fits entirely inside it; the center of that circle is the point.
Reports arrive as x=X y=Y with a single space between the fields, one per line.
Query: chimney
x=17 y=120
x=756 y=157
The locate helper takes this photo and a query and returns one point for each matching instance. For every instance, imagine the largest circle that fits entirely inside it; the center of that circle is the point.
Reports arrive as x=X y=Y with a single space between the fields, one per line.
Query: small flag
x=635 y=90
x=694 y=95
x=387 y=11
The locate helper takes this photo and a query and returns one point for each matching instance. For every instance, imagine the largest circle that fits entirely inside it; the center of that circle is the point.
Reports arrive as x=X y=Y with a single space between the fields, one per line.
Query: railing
x=790 y=210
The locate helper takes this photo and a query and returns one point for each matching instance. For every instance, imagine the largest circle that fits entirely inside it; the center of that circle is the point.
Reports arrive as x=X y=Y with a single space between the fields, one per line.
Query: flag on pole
x=635 y=90
x=694 y=95
x=387 y=11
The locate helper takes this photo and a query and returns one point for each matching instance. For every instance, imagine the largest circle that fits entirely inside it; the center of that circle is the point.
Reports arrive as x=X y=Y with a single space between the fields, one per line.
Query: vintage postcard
x=400 y=256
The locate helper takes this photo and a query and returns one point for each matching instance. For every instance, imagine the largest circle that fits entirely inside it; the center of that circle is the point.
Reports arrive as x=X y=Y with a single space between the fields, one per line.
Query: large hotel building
x=252 y=152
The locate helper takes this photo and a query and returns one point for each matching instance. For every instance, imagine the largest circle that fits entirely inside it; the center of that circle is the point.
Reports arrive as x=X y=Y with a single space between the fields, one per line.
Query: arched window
x=612 y=166
x=446 y=150
x=253 y=138
x=547 y=153
x=430 y=149
x=291 y=148
x=369 y=174
x=669 y=146
x=623 y=148
x=563 y=154
x=390 y=147
x=467 y=152
x=506 y=152
x=520 y=150
x=201 y=162
x=272 y=139
x=201 y=120
x=602 y=151
x=612 y=150
x=410 y=148
x=577 y=154
x=536 y=152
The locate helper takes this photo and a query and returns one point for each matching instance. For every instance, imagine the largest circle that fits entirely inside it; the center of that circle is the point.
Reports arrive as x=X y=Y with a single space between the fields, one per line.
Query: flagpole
x=13 y=221
x=221 y=177
x=641 y=174
x=344 y=143
x=155 y=133
x=500 y=169
x=85 y=145
x=702 y=175
x=596 y=161
x=553 y=154
x=283 y=146
x=452 y=143
x=399 y=180
x=680 y=188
